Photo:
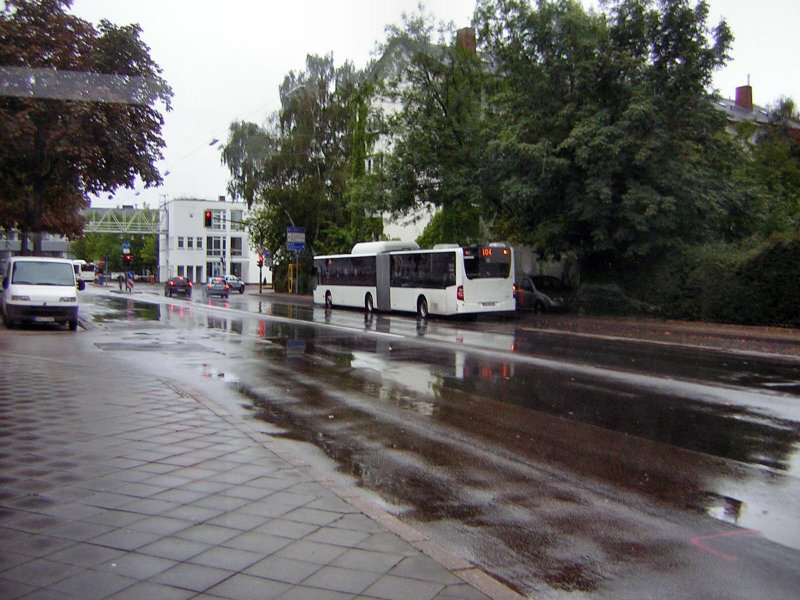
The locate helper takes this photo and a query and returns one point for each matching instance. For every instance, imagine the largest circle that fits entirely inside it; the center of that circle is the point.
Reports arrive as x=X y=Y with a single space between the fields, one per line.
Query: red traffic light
x=128 y=259
x=208 y=217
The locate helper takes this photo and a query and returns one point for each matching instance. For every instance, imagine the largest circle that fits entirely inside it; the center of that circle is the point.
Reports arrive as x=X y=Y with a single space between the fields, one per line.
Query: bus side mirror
x=81 y=285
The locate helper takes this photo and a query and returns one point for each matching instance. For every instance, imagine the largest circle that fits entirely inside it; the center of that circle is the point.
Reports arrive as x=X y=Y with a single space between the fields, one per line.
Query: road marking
x=698 y=542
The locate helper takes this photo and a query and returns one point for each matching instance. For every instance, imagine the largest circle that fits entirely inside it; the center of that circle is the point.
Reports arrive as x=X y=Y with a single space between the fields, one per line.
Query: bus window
x=486 y=262
x=424 y=270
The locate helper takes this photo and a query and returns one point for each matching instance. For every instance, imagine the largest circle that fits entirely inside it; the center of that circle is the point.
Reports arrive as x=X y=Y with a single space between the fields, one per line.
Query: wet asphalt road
x=567 y=467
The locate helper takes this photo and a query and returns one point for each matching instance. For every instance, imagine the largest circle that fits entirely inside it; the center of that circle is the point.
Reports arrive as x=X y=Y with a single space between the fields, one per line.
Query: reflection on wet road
x=559 y=466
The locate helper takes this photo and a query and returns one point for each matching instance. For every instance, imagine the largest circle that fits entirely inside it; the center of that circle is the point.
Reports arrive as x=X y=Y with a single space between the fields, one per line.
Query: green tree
x=296 y=169
x=605 y=139
x=775 y=165
x=95 y=126
x=437 y=138
x=459 y=224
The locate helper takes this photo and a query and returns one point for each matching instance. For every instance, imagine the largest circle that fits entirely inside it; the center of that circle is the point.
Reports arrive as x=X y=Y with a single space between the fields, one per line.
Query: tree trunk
x=37 y=244
x=24 y=243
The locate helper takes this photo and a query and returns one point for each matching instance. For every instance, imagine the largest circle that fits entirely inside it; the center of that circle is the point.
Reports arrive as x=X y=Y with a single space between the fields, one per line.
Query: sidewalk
x=135 y=488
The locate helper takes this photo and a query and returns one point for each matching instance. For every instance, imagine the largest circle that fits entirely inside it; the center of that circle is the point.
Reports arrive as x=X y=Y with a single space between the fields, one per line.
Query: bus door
x=383 y=265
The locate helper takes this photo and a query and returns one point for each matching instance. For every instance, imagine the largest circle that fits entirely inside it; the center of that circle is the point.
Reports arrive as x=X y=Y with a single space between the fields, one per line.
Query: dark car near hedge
x=178 y=285
x=542 y=293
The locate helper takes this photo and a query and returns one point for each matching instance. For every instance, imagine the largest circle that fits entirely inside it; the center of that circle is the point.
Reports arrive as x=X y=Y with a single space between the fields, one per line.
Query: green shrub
x=608 y=299
x=755 y=283
x=280 y=279
x=770 y=283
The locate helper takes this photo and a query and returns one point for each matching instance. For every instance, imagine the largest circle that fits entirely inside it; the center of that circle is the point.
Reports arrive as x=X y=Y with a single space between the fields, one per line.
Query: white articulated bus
x=398 y=276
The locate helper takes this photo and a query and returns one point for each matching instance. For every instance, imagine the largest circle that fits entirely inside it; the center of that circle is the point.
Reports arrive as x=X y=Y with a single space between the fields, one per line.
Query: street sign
x=296 y=239
x=126 y=247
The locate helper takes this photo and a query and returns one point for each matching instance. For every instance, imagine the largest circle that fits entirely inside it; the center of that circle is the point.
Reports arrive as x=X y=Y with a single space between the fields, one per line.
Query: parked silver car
x=235 y=283
x=541 y=293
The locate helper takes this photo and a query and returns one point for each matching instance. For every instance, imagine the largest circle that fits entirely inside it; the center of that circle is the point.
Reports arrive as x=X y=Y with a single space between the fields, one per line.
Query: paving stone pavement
x=135 y=488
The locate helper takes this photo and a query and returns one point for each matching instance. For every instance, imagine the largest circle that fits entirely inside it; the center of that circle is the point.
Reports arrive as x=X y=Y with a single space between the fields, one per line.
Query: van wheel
x=422 y=308
x=73 y=325
x=328 y=300
x=368 y=304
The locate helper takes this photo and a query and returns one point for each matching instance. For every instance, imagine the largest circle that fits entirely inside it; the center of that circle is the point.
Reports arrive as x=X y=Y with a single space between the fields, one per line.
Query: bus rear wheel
x=369 y=306
x=422 y=308
x=328 y=300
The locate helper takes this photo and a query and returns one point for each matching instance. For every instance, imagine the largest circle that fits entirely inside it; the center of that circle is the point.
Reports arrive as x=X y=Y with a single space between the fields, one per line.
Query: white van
x=40 y=290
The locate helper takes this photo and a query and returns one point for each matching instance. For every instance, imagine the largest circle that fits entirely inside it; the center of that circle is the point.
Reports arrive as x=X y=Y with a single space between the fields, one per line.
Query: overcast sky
x=225 y=61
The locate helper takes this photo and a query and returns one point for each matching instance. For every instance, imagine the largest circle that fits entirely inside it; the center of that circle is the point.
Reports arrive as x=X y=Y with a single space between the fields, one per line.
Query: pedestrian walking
x=120 y=280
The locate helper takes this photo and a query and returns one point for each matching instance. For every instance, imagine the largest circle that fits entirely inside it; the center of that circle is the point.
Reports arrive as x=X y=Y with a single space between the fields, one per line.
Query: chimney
x=744 y=97
x=465 y=39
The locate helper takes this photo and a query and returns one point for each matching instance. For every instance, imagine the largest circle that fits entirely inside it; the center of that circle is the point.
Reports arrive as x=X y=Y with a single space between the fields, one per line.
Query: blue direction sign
x=126 y=247
x=295 y=239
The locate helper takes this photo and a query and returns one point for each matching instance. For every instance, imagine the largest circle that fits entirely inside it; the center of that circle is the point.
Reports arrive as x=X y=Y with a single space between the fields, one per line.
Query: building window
x=214 y=269
x=199 y=244
x=219 y=220
x=373 y=164
x=237 y=218
x=181 y=271
x=236 y=246
x=180 y=245
x=190 y=242
x=215 y=246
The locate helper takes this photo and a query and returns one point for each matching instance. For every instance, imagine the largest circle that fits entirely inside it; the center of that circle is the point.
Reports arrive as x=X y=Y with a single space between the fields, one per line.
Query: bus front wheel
x=422 y=307
x=369 y=306
x=328 y=300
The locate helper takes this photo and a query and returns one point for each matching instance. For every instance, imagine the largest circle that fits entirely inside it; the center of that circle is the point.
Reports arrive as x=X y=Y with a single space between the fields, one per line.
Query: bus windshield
x=487 y=262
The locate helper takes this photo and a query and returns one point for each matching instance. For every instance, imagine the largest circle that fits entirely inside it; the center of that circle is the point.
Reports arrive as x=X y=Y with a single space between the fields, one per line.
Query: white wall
x=184 y=220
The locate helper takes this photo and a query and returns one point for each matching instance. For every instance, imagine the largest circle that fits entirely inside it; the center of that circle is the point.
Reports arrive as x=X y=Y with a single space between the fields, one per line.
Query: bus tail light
x=460 y=293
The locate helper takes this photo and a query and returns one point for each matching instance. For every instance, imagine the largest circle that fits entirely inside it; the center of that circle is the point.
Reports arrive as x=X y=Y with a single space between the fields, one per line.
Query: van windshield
x=42 y=273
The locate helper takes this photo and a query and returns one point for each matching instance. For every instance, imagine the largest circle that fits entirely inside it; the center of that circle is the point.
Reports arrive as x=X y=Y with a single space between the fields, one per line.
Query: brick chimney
x=744 y=97
x=465 y=38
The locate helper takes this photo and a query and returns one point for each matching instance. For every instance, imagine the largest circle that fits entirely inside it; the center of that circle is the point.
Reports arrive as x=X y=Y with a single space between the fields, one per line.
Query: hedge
x=755 y=283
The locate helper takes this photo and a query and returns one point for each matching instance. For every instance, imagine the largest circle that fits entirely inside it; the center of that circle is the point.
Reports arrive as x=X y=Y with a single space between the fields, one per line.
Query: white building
x=188 y=247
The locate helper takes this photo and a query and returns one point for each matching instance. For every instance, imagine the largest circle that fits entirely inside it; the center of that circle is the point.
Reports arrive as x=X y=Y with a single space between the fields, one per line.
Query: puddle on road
x=110 y=310
x=624 y=437
x=724 y=508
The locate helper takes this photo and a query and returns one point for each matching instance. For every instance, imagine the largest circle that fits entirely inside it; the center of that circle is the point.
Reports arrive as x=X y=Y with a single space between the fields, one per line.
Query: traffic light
x=208 y=217
x=128 y=259
x=260 y=262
